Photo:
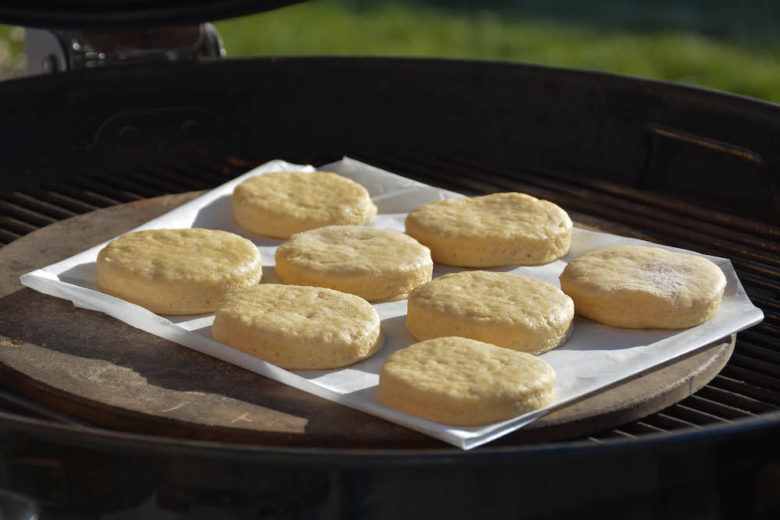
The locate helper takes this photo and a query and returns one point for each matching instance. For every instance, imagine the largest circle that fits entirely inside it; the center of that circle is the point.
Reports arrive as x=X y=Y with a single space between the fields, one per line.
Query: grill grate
x=748 y=385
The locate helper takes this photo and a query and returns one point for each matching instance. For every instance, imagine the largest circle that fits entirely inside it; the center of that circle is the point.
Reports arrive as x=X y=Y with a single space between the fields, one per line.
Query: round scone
x=177 y=271
x=373 y=263
x=644 y=287
x=508 y=310
x=281 y=204
x=298 y=328
x=492 y=230
x=464 y=382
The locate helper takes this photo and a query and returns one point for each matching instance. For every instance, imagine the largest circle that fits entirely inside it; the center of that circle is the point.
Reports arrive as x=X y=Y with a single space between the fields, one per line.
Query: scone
x=373 y=263
x=463 y=382
x=281 y=204
x=298 y=328
x=644 y=287
x=177 y=271
x=492 y=230
x=508 y=310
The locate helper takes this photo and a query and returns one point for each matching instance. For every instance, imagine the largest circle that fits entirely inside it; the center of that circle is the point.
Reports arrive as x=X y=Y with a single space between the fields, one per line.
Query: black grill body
x=714 y=149
x=688 y=167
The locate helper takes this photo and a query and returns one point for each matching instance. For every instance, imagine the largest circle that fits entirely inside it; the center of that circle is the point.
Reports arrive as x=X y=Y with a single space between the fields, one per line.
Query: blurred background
x=731 y=45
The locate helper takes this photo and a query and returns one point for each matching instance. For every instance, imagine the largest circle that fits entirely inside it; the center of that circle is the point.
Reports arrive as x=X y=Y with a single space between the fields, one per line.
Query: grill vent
x=748 y=385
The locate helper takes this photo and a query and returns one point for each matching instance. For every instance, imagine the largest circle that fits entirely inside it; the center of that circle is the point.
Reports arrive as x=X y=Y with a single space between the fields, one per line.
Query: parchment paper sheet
x=594 y=357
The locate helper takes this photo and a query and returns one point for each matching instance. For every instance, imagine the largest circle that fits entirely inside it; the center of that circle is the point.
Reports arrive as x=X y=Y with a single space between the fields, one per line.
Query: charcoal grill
x=684 y=166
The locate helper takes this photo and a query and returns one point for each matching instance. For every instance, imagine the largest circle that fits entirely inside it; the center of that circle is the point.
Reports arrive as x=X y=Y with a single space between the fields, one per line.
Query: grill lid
x=127 y=14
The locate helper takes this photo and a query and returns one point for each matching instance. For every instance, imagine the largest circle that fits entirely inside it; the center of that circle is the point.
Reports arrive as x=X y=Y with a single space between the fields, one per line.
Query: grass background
x=731 y=45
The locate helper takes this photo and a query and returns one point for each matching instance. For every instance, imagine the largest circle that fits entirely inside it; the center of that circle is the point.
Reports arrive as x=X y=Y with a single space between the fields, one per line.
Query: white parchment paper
x=594 y=357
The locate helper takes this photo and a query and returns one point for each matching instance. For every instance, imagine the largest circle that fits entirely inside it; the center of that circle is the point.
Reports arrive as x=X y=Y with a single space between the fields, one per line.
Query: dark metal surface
x=589 y=142
x=126 y=14
x=52 y=51
x=548 y=122
x=724 y=471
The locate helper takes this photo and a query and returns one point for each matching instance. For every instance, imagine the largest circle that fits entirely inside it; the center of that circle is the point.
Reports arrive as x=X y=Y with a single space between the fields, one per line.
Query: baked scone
x=373 y=263
x=281 y=204
x=508 y=310
x=298 y=328
x=644 y=287
x=464 y=382
x=177 y=271
x=492 y=230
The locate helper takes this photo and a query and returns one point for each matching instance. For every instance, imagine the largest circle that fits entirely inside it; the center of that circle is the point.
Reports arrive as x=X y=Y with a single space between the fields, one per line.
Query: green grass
x=728 y=60
x=325 y=27
x=11 y=49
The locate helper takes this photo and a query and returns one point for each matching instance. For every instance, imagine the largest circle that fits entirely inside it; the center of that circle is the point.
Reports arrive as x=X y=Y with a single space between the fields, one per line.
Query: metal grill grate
x=25 y=210
x=748 y=385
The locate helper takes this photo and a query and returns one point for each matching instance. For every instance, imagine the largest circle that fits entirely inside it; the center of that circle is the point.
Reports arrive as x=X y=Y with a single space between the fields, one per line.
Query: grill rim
x=107 y=440
x=695 y=98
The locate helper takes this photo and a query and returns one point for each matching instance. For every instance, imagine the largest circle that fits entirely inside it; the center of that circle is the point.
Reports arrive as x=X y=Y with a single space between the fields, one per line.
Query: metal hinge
x=66 y=50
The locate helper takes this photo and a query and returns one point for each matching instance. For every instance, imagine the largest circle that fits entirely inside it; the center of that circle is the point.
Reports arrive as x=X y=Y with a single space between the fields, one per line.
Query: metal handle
x=706 y=142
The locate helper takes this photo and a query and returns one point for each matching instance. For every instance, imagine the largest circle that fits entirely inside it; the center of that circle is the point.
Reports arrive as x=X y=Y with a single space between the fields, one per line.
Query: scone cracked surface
x=492 y=230
x=373 y=263
x=177 y=271
x=644 y=287
x=508 y=310
x=281 y=204
x=298 y=328
x=463 y=382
